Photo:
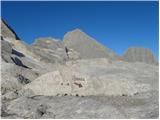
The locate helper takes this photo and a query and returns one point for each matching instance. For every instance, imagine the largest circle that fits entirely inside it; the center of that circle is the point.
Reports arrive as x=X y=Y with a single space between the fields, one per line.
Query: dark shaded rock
x=22 y=79
x=72 y=54
x=18 y=62
x=41 y=110
x=17 y=53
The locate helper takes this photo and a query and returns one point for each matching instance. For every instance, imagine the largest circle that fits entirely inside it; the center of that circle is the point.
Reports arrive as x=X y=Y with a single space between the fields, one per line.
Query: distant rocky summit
x=77 y=74
x=139 y=54
x=87 y=46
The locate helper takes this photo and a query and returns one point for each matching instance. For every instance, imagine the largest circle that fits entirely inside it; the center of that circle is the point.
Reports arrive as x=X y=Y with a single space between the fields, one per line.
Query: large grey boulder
x=87 y=46
x=139 y=54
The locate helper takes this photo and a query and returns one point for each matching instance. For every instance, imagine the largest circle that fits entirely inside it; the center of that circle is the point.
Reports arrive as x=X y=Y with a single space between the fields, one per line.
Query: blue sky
x=117 y=25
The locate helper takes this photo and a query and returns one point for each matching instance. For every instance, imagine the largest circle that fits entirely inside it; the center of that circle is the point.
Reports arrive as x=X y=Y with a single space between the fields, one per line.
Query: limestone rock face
x=48 y=43
x=7 y=31
x=6 y=51
x=139 y=54
x=87 y=46
x=50 y=50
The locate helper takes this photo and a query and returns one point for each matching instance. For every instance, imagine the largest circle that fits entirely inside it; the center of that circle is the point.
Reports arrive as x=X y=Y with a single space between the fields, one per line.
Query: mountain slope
x=76 y=74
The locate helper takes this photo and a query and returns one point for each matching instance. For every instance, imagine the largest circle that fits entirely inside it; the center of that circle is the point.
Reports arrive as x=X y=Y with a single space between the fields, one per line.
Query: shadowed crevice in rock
x=41 y=110
x=22 y=79
x=66 y=49
x=17 y=53
x=19 y=62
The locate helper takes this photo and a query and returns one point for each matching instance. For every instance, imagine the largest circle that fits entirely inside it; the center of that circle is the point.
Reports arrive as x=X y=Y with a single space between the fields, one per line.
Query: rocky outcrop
x=72 y=54
x=7 y=31
x=87 y=46
x=6 y=51
x=139 y=54
x=49 y=43
x=50 y=50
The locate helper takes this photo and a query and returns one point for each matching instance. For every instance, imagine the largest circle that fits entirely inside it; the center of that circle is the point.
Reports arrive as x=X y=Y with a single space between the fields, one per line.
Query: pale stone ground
x=144 y=105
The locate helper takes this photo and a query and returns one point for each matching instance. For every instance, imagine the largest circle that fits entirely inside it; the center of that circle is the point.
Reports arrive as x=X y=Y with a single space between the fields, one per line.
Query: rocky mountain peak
x=76 y=33
x=86 y=45
x=77 y=30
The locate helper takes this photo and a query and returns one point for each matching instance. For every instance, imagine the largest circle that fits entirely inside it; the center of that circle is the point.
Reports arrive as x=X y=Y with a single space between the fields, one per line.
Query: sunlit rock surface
x=77 y=74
